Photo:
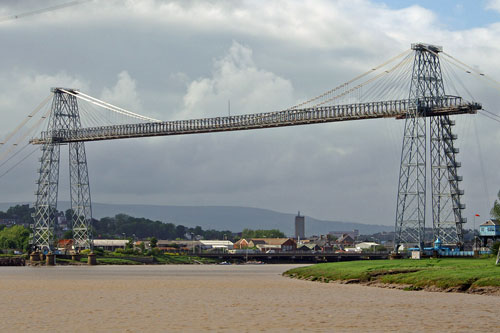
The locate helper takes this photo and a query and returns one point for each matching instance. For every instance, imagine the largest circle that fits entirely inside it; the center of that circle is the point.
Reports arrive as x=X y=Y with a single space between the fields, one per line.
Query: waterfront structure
x=300 y=229
x=64 y=116
x=426 y=91
x=489 y=230
x=427 y=99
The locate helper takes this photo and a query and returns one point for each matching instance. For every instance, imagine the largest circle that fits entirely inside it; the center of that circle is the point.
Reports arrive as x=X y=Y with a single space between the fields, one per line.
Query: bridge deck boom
x=399 y=109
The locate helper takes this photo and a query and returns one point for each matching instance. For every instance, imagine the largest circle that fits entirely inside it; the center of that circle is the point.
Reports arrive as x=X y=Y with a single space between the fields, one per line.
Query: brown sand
x=223 y=298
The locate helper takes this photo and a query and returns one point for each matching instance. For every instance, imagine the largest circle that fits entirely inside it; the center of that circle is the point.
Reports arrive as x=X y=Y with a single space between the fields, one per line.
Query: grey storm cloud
x=186 y=59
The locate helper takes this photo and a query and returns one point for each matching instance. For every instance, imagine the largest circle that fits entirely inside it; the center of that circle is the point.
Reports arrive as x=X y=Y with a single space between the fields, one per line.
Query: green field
x=414 y=274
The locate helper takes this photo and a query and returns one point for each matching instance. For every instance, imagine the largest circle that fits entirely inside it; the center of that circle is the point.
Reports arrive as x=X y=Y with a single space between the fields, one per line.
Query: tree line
x=117 y=227
x=125 y=226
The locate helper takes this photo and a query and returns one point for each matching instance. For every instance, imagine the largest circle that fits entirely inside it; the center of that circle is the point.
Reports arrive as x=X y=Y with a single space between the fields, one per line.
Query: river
x=218 y=298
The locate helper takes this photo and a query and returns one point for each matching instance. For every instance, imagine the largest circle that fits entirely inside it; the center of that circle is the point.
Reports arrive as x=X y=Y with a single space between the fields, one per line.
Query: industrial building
x=300 y=230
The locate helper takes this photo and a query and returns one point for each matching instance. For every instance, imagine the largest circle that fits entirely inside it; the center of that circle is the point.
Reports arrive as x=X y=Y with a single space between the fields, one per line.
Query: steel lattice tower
x=64 y=116
x=426 y=91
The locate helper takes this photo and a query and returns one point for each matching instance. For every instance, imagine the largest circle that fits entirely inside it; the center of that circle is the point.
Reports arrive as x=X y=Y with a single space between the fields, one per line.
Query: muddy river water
x=217 y=298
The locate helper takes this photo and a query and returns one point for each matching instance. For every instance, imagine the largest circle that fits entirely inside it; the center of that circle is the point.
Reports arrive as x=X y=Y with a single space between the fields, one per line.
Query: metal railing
x=385 y=109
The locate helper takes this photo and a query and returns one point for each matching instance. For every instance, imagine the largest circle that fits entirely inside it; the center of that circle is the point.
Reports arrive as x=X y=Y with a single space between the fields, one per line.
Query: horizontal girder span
x=399 y=109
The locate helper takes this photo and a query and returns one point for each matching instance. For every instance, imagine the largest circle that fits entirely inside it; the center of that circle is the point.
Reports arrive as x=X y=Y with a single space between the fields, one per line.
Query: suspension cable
x=28 y=118
x=350 y=81
x=469 y=69
x=364 y=83
x=108 y=106
x=28 y=133
x=15 y=165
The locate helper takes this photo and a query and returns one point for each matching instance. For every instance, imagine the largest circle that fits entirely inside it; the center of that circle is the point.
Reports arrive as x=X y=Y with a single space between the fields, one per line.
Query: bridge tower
x=64 y=116
x=426 y=91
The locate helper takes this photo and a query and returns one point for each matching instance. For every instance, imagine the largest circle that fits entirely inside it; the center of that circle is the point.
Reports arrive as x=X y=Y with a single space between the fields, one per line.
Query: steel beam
x=64 y=116
x=400 y=109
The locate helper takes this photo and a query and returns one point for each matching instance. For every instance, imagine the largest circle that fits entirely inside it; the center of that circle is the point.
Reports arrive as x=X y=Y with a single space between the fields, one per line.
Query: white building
x=366 y=245
x=110 y=244
x=216 y=244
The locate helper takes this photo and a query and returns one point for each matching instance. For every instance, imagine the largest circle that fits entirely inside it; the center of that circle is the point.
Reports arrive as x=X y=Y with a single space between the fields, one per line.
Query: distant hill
x=225 y=218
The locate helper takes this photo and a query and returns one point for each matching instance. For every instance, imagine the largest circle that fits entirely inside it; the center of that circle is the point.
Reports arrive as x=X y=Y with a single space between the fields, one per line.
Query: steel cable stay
x=344 y=85
x=14 y=154
x=390 y=85
x=18 y=163
x=108 y=106
x=490 y=115
x=359 y=85
x=449 y=79
x=470 y=70
x=5 y=156
x=92 y=115
x=42 y=10
x=464 y=67
x=426 y=98
x=13 y=149
x=30 y=131
x=388 y=78
x=26 y=120
x=348 y=92
x=118 y=109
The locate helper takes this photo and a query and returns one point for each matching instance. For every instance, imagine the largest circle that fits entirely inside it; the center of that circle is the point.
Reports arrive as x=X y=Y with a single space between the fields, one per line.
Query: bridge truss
x=427 y=99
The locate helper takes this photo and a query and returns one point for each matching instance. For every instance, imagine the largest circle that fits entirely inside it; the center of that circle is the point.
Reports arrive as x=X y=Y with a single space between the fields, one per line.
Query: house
x=273 y=244
x=241 y=244
x=65 y=245
x=310 y=247
x=345 y=240
x=324 y=243
x=489 y=230
x=338 y=234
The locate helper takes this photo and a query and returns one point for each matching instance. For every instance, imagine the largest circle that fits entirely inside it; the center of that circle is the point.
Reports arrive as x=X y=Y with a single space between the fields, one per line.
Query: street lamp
x=192 y=241
x=474 y=231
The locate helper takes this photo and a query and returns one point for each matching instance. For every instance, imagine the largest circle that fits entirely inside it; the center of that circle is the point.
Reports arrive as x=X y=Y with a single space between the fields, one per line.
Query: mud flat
x=245 y=298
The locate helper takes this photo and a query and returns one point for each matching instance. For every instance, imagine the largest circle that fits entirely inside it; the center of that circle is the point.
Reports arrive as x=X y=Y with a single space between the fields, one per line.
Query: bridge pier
x=91 y=259
x=50 y=259
x=34 y=256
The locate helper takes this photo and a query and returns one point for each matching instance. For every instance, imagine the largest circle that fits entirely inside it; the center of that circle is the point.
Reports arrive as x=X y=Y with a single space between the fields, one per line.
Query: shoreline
x=485 y=291
x=468 y=276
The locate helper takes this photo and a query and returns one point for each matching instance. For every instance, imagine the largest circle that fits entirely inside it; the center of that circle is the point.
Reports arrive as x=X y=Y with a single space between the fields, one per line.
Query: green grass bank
x=461 y=275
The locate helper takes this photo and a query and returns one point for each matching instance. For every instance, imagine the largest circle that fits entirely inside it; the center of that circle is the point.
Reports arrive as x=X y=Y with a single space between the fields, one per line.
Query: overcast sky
x=184 y=59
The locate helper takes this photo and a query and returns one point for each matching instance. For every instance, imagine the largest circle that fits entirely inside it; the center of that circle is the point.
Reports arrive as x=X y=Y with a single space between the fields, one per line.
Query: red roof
x=64 y=242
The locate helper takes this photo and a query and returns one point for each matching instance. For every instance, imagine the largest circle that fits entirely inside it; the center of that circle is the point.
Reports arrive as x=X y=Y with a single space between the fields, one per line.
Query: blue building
x=489 y=230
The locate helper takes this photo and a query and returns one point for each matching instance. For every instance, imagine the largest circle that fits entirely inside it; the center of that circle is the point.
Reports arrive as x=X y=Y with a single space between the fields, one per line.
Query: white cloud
x=285 y=51
x=123 y=94
x=236 y=78
x=493 y=5
x=22 y=91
